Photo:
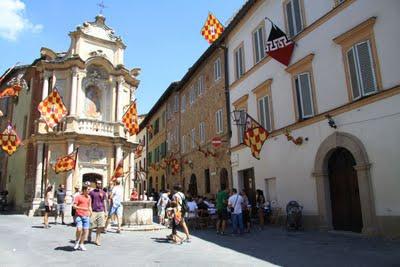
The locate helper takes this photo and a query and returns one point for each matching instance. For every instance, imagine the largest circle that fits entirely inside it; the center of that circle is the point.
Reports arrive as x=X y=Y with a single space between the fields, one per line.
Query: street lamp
x=238 y=116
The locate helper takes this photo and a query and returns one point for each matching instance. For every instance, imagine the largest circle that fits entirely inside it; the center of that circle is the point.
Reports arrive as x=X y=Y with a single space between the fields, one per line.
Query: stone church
x=97 y=89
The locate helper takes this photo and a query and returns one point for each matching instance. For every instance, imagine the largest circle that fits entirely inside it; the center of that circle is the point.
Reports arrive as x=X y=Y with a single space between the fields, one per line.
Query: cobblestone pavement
x=24 y=242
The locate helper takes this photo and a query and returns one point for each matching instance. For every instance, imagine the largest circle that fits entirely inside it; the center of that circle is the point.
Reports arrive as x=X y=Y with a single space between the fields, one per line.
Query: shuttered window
x=258 y=43
x=202 y=132
x=294 y=18
x=217 y=69
x=193 y=138
x=264 y=113
x=184 y=144
x=304 y=95
x=183 y=103
x=219 y=122
x=362 y=73
x=239 y=63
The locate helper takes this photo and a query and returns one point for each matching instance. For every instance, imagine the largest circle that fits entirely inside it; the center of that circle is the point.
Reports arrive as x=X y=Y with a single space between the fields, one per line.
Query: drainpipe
x=227 y=96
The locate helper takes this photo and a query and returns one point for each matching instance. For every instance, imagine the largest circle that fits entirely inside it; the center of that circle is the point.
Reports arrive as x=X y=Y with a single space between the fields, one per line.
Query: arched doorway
x=91 y=178
x=156 y=187
x=150 y=189
x=193 y=185
x=336 y=154
x=345 y=196
x=223 y=179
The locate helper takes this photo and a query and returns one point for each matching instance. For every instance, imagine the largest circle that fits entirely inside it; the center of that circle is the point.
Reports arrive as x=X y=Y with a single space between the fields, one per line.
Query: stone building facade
x=205 y=168
x=96 y=89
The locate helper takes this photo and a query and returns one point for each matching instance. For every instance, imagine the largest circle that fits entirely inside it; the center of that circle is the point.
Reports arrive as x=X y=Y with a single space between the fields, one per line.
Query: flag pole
x=8 y=71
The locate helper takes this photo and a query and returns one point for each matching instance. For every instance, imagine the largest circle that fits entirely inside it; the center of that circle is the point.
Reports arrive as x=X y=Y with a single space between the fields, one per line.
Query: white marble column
x=131 y=170
x=45 y=88
x=74 y=89
x=118 y=153
x=114 y=88
x=69 y=180
x=80 y=95
x=120 y=105
x=37 y=198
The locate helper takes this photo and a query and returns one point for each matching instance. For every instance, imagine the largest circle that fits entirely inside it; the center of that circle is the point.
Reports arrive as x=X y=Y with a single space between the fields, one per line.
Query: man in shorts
x=97 y=221
x=60 y=196
x=222 y=211
x=161 y=206
x=83 y=208
x=116 y=205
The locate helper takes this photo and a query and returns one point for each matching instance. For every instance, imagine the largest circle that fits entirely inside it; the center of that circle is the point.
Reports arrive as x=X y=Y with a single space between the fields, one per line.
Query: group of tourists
x=92 y=209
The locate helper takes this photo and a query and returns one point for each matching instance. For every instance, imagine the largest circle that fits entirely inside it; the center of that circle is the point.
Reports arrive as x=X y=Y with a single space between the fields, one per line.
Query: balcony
x=84 y=126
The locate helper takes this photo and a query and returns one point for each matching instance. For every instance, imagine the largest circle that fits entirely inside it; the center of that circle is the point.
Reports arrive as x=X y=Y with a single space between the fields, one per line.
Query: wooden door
x=345 y=197
x=249 y=185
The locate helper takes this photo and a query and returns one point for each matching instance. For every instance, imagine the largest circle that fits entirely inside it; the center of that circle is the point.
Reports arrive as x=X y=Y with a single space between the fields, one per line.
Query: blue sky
x=163 y=38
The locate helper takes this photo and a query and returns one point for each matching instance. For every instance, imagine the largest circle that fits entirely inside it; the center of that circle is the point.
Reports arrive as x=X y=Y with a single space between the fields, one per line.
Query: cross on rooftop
x=101 y=7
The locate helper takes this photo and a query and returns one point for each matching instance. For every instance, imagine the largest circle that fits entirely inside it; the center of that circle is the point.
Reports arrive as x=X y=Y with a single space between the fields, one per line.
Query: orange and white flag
x=130 y=119
x=66 y=163
x=9 y=141
x=119 y=171
x=212 y=28
x=52 y=109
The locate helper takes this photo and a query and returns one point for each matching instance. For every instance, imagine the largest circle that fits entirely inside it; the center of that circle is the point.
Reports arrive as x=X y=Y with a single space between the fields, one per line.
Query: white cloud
x=13 y=21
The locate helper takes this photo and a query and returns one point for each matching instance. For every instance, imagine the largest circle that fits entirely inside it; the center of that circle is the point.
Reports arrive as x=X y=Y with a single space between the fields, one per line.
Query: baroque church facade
x=97 y=89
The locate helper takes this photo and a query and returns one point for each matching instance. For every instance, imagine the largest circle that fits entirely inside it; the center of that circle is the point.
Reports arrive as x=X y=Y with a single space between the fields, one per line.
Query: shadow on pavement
x=65 y=248
x=38 y=226
x=307 y=248
x=161 y=240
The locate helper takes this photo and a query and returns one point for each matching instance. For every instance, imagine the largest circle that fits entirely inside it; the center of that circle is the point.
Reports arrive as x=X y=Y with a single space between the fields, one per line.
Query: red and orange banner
x=130 y=119
x=52 y=109
x=212 y=28
x=9 y=141
x=66 y=163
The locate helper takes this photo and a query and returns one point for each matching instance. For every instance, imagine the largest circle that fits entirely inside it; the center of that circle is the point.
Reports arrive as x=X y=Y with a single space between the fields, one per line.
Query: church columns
x=131 y=170
x=74 y=89
x=45 y=88
x=114 y=89
x=37 y=197
x=120 y=107
x=70 y=175
x=118 y=154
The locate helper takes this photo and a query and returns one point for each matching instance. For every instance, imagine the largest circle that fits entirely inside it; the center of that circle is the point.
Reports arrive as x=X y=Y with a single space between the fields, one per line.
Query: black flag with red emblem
x=278 y=45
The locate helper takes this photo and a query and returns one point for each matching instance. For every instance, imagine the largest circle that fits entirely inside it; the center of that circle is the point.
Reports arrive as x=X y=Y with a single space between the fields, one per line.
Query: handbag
x=232 y=209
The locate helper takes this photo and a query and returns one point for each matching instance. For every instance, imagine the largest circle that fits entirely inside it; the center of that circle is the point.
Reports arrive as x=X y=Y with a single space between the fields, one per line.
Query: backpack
x=184 y=205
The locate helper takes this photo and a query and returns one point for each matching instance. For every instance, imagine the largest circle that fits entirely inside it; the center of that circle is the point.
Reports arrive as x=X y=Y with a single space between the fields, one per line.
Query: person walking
x=180 y=200
x=60 y=196
x=48 y=205
x=97 y=220
x=235 y=203
x=83 y=207
x=260 y=203
x=161 y=205
x=222 y=211
x=116 y=206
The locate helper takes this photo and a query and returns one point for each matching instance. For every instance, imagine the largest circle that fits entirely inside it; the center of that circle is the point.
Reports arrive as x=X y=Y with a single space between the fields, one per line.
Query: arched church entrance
x=343 y=182
x=193 y=185
x=344 y=191
x=91 y=178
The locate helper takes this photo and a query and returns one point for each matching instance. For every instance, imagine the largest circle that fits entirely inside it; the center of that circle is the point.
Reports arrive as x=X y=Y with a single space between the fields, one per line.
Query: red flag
x=254 y=136
x=278 y=46
x=9 y=141
x=130 y=119
x=119 y=171
x=52 y=109
x=66 y=163
x=212 y=28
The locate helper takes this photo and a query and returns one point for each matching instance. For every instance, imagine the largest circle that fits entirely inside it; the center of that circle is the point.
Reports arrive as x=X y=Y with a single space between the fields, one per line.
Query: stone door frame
x=357 y=149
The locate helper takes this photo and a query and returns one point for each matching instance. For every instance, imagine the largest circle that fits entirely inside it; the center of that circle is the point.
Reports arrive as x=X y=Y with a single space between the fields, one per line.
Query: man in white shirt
x=116 y=205
x=161 y=205
x=235 y=203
